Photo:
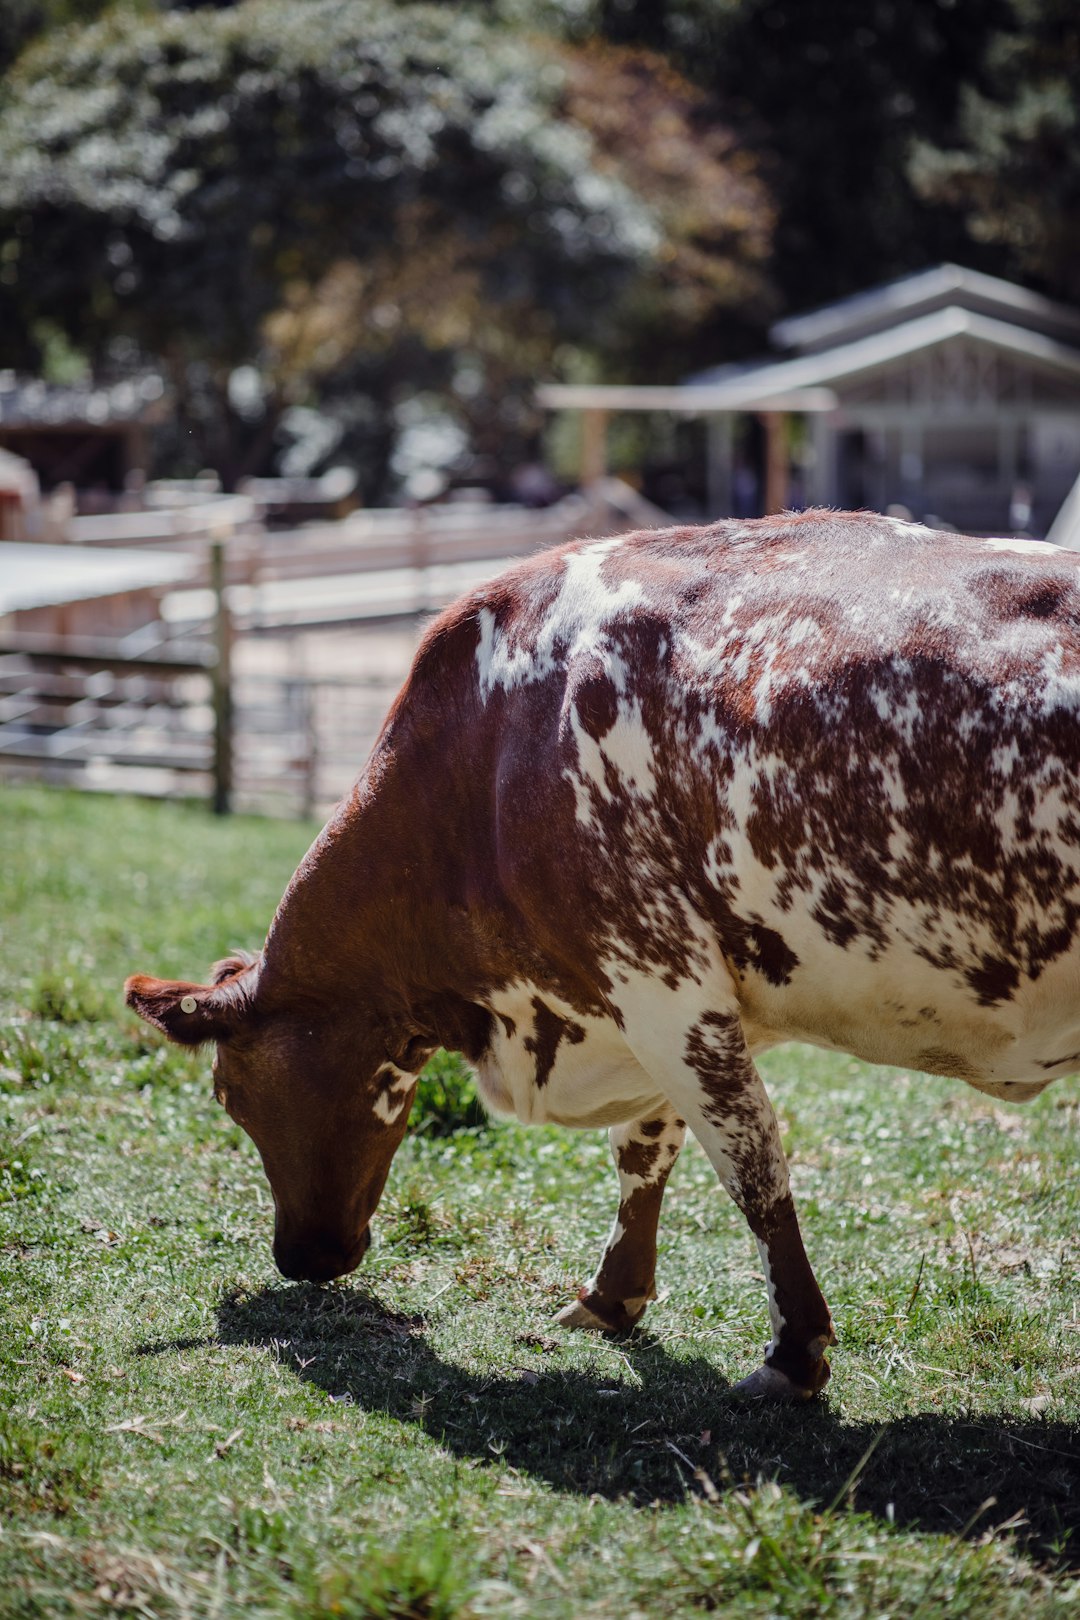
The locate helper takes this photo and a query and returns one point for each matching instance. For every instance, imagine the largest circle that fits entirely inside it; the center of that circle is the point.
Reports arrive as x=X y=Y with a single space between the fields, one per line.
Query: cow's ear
x=189 y=1014
x=231 y=966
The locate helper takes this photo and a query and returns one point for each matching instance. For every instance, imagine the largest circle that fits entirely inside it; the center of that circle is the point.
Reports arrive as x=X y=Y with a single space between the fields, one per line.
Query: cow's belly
x=549 y=1064
x=899 y=1010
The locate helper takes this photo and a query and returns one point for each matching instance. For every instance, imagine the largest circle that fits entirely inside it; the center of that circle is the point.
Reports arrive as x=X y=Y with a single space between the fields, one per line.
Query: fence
x=88 y=711
x=172 y=713
x=85 y=715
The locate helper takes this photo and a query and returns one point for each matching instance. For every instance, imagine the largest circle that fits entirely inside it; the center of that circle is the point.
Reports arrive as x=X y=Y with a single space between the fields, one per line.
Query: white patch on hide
x=393 y=1097
x=626 y=751
x=576 y=622
x=593 y=1081
x=776 y=1317
x=1034 y=548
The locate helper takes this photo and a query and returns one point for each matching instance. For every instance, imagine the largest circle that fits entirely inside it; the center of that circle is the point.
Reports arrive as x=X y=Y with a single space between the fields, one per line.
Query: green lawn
x=184 y=1434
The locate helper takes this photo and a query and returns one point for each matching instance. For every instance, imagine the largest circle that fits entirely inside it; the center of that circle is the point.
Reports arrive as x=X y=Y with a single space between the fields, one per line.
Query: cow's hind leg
x=625 y=1281
x=700 y=1057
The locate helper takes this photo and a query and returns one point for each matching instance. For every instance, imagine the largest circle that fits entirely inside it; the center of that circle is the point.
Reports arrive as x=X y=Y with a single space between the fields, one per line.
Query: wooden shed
x=93 y=435
x=951 y=393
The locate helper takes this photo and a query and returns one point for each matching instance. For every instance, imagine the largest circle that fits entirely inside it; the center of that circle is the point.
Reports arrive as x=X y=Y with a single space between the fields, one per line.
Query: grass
x=184 y=1434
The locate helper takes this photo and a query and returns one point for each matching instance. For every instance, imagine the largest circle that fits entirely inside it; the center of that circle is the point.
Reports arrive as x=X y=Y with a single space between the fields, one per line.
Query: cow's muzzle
x=319 y=1259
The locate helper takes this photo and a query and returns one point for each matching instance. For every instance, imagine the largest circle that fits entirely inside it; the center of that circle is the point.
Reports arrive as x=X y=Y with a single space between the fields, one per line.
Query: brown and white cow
x=647 y=806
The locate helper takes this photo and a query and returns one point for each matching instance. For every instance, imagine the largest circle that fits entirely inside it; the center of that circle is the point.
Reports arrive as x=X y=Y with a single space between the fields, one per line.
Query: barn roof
x=869 y=352
x=806 y=382
x=858 y=335
x=30 y=402
x=921 y=294
x=34 y=576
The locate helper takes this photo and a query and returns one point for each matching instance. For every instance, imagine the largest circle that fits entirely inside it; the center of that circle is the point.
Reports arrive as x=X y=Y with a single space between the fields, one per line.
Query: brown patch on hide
x=807 y=1326
x=993 y=980
x=549 y=1030
x=639 y=1159
x=939 y=1060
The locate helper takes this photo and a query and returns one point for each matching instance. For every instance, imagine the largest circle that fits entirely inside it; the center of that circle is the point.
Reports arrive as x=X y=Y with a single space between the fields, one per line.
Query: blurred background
x=315 y=312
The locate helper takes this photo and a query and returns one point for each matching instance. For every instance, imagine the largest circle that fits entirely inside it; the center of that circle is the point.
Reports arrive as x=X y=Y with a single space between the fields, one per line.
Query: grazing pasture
x=182 y=1433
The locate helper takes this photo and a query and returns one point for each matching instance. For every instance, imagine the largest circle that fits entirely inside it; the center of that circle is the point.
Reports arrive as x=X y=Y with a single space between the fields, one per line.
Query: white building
x=952 y=393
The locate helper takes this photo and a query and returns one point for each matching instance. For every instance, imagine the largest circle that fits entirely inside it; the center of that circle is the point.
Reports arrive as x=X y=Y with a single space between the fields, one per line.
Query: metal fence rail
x=300 y=742
x=90 y=717
x=82 y=712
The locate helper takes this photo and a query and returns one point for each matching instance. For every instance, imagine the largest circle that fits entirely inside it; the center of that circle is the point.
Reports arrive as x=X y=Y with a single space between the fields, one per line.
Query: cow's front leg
x=709 y=1075
x=625 y=1281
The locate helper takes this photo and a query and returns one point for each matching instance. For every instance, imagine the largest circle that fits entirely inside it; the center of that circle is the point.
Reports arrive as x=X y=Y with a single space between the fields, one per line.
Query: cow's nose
x=319 y=1259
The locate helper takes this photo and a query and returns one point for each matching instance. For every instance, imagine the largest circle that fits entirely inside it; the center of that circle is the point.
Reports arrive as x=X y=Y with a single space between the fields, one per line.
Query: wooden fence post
x=776 y=461
x=308 y=699
x=420 y=558
x=222 y=682
x=594 y=427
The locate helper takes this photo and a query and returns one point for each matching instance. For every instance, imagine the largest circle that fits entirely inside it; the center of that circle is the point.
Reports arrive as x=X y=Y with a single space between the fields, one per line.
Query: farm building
x=949 y=392
x=93 y=435
x=75 y=591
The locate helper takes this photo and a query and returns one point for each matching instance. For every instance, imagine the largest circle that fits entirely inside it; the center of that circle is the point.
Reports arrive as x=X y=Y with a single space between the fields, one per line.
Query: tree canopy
x=179 y=183
x=355 y=203
x=301 y=186
x=1012 y=173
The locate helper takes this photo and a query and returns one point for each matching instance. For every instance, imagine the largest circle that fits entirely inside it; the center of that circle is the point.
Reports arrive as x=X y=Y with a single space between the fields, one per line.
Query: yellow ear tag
x=188 y=1004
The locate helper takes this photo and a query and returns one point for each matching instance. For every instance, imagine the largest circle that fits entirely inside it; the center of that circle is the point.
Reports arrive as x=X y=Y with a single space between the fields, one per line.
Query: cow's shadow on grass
x=645 y=1440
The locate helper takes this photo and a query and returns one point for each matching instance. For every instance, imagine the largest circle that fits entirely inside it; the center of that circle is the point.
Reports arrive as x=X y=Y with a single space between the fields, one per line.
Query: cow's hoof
x=772 y=1385
x=622 y=1317
x=578 y=1315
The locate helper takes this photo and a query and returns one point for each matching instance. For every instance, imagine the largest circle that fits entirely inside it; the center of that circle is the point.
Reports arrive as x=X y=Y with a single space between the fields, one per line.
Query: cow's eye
x=414 y=1054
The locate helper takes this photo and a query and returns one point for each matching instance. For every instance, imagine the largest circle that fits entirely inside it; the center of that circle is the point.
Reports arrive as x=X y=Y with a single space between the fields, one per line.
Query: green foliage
x=19 y=1180
x=24 y=20
x=1013 y=170
x=64 y=998
x=180 y=186
x=43 y=1472
x=26 y=1059
x=421 y=1579
x=319 y=123
x=829 y=95
x=446 y=1099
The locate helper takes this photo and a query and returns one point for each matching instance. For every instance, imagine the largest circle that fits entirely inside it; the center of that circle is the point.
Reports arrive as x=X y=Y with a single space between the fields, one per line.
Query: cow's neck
x=374 y=911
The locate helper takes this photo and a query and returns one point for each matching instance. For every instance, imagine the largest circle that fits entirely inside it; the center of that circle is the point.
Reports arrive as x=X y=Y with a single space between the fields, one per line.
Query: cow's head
x=324 y=1097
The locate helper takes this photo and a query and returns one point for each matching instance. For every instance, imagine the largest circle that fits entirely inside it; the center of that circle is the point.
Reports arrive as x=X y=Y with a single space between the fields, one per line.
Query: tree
x=828 y=96
x=710 y=284
x=1013 y=173
x=24 y=20
x=188 y=189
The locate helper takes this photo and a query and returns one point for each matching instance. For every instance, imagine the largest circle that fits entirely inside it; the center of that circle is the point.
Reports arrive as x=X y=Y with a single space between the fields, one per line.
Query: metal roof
x=46 y=576
x=750 y=392
x=927 y=290
x=33 y=403
x=807 y=382
x=850 y=360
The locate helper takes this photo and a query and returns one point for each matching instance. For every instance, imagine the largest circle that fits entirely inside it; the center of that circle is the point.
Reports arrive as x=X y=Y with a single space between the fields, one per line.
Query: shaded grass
x=183 y=1434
